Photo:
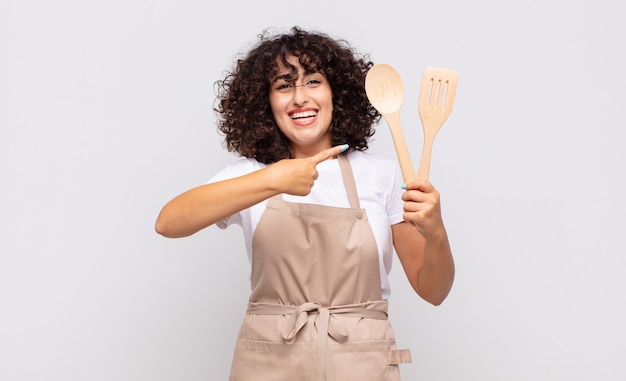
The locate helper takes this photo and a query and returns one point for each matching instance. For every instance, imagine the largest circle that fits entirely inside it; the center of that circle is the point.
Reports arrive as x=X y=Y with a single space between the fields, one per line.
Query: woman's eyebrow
x=283 y=77
x=289 y=76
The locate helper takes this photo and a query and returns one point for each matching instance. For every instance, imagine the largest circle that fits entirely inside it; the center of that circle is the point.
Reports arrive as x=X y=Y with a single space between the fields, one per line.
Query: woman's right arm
x=204 y=205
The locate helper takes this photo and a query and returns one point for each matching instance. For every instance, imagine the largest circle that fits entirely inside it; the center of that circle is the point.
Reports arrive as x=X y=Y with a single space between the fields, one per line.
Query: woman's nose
x=300 y=94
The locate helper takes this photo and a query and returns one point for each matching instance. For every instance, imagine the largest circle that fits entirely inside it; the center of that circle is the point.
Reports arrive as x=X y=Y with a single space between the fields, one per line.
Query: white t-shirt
x=378 y=181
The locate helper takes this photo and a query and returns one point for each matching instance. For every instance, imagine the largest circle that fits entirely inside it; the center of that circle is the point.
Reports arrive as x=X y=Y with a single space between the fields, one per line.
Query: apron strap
x=348 y=180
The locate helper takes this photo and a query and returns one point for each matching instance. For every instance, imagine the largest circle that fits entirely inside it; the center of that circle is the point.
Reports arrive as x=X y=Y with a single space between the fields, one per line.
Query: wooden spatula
x=435 y=103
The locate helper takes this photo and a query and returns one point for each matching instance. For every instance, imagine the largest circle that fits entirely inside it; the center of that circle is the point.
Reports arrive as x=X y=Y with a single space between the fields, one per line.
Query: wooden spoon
x=435 y=103
x=385 y=91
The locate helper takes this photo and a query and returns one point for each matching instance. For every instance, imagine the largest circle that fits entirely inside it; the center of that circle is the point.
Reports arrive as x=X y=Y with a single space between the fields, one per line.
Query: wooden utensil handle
x=406 y=166
x=423 y=170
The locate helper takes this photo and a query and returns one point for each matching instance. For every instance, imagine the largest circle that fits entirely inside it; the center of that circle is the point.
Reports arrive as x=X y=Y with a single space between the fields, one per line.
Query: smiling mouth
x=303 y=115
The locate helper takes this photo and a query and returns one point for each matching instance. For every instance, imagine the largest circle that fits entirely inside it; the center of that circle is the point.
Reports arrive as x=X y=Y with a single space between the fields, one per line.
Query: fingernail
x=403 y=186
x=345 y=147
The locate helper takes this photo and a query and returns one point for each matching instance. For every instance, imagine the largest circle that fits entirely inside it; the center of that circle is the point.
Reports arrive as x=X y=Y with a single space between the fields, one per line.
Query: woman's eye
x=313 y=83
x=284 y=87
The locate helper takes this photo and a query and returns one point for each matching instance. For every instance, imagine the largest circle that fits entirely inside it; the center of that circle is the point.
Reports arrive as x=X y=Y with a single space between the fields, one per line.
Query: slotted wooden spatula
x=435 y=103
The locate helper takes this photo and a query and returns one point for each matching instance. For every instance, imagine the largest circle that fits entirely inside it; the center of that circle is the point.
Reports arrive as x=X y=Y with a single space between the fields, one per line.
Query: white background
x=105 y=114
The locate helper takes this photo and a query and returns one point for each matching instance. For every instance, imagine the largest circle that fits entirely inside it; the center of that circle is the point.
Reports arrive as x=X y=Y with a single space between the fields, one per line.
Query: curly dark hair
x=243 y=107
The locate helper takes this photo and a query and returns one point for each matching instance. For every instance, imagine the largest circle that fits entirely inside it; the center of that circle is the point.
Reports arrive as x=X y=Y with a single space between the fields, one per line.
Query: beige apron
x=316 y=311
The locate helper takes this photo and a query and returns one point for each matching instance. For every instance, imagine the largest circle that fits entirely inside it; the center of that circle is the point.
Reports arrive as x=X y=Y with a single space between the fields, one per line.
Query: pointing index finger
x=328 y=153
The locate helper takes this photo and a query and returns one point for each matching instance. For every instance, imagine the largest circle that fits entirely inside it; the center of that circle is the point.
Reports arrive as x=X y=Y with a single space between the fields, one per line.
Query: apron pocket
x=364 y=361
x=275 y=361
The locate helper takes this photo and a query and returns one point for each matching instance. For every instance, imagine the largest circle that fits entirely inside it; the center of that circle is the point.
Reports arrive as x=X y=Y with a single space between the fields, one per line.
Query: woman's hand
x=422 y=208
x=425 y=254
x=297 y=176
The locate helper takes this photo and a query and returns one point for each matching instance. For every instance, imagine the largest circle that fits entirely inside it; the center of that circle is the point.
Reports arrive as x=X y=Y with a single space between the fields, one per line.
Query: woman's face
x=302 y=109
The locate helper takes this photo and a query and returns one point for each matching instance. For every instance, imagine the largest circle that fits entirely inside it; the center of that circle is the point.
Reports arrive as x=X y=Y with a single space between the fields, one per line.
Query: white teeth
x=306 y=114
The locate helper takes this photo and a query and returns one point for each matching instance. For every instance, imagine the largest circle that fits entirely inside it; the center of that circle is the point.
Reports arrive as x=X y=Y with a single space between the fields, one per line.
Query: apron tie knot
x=297 y=319
x=298 y=316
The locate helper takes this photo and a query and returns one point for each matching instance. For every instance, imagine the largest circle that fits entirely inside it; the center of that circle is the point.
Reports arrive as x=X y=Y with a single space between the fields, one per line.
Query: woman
x=321 y=218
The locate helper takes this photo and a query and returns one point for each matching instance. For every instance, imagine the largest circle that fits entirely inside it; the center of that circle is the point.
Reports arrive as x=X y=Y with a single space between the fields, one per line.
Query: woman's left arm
x=421 y=242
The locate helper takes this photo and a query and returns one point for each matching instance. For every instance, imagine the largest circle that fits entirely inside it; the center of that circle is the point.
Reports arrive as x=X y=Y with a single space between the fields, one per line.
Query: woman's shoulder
x=372 y=161
x=374 y=170
x=379 y=180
